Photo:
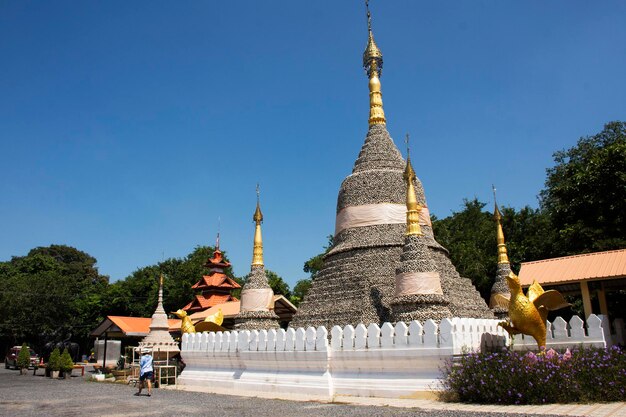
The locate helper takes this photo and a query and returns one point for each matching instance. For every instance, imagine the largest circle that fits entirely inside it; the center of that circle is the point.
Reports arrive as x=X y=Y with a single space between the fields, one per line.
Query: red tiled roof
x=598 y=265
x=216 y=280
x=203 y=302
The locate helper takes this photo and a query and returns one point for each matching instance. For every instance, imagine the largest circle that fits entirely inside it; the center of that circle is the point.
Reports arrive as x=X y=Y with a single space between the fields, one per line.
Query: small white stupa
x=159 y=340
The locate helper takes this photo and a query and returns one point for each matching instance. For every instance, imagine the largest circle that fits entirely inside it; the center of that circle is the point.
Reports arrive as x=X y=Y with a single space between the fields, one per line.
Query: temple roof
x=120 y=326
x=282 y=307
x=217 y=261
x=216 y=280
x=202 y=301
x=607 y=265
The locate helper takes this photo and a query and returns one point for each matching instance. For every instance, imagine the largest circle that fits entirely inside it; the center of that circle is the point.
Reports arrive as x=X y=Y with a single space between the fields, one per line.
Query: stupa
x=500 y=293
x=159 y=340
x=215 y=287
x=357 y=282
x=257 y=297
x=418 y=292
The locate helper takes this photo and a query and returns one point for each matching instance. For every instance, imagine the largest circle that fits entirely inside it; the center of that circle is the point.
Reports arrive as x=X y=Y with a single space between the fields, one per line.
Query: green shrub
x=508 y=377
x=66 y=362
x=54 y=363
x=23 y=358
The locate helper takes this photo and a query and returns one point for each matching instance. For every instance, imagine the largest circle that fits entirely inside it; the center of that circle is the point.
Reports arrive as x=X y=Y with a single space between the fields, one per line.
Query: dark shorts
x=148 y=375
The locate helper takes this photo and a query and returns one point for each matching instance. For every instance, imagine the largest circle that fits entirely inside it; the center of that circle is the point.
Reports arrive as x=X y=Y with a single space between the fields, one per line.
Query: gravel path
x=30 y=396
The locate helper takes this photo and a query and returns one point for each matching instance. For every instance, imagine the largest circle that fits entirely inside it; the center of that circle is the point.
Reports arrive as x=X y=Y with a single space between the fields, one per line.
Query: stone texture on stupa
x=159 y=339
x=357 y=282
x=416 y=258
x=256 y=318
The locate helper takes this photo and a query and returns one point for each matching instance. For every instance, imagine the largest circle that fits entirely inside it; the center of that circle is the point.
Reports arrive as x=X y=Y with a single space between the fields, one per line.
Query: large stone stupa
x=356 y=283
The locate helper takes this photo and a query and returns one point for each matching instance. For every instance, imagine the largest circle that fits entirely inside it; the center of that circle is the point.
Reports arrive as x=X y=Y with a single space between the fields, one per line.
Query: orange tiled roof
x=229 y=309
x=216 y=280
x=138 y=326
x=203 y=302
x=598 y=265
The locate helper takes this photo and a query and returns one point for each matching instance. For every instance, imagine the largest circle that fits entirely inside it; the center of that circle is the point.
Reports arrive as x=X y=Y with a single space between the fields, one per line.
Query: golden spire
x=503 y=258
x=412 y=206
x=373 y=64
x=257 y=251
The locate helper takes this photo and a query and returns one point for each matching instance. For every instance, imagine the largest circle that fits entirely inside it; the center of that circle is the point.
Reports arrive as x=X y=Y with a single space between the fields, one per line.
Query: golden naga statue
x=186 y=326
x=212 y=323
x=528 y=313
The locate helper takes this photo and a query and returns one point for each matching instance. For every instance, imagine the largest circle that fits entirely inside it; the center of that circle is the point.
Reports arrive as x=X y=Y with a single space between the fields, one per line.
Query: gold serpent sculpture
x=528 y=313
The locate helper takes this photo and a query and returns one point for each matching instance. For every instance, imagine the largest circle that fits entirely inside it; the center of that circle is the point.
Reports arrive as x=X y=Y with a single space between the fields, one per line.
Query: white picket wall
x=561 y=334
x=383 y=361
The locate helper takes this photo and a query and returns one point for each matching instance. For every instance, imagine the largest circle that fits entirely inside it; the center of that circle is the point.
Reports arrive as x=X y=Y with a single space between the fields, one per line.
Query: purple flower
x=567 y=355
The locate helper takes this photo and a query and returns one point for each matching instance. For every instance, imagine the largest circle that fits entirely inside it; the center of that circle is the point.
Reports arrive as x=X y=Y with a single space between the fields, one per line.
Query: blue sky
x=128 y=128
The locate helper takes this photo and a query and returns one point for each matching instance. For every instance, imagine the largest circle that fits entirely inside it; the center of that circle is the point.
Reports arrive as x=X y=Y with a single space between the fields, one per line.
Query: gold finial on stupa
x=503 y=257
x=373 y=64
x=257 y=251
x=413 y=208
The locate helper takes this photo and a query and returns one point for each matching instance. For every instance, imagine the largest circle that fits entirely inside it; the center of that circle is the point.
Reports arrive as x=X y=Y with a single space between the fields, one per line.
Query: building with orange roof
x=585 y=274
x=283 y=308
x=214 y=288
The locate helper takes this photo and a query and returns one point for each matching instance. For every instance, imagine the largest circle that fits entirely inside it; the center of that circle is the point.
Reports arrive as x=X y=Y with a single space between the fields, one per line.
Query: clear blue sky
x=128 y=128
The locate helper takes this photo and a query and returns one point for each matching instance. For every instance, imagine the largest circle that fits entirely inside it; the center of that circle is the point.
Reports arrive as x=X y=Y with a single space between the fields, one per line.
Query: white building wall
x=388 y=361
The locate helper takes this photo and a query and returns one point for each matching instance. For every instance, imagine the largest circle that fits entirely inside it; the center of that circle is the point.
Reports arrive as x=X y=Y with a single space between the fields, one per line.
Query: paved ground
x=29 y=396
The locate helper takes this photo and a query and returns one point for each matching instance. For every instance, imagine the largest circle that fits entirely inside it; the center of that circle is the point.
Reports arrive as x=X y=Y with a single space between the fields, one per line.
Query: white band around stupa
x=410 y=283
x=374 y=214
x=257 y=299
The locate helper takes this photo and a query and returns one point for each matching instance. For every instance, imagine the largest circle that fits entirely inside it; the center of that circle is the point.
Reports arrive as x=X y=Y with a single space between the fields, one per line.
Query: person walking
x=146 y=371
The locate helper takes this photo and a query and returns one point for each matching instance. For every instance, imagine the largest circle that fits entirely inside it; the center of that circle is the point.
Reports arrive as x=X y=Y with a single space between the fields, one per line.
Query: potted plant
x=23 y=359
x=54 y=363
x=67 y=364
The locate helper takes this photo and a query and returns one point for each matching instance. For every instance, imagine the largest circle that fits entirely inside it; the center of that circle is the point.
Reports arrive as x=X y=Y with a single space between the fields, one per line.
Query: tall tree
x=584 y=192
x=55 y=291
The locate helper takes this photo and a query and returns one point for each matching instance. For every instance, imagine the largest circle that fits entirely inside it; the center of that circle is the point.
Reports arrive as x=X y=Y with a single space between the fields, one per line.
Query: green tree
x=300 y=290
x=529 y=235
x=66 y=361
x=23 y=358
x=52 y=290
x=584 y=192
x=315 y=264
x=470 y=236
x=279 y=286
x=54 y=362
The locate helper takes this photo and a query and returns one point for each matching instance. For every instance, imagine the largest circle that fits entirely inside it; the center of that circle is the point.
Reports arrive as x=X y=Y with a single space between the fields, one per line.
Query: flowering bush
x=508 y=377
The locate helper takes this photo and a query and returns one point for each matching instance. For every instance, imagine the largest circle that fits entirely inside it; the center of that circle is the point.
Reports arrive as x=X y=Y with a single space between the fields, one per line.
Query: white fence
x=560 y=335
x=388 y=361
